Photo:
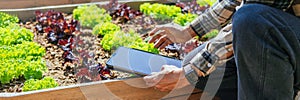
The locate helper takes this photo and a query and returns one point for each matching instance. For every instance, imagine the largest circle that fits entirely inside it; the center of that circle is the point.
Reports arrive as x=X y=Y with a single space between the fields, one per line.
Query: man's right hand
x=164 y=35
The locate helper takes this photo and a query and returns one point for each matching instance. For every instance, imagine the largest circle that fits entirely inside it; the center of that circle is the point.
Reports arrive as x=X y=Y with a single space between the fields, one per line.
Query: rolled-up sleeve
x=215 y=17
x=215 y=53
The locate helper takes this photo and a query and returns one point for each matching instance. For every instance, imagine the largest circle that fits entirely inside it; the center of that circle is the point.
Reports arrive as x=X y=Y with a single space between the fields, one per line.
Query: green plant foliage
x=160 y=11
x=19 y=56
x=91 y=15
x=26 y=50
x=22 y=59
x=130 y=39
x=33 y=84
x=210 y=35
x=105 y=28
x=184 y=19
x=13 y=34
x=79 y=11
x=206 y=2
x=6 y=19
x=141 y=45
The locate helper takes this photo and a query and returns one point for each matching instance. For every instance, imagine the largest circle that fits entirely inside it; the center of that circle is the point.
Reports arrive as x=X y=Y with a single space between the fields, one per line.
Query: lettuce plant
x=91 y=15
x=210 y=35
x=105 y=28
x=79 y=11
x=19 y=56
x=59 y=31
x=184 y=19
x=160 y=11
x=206 y=2
x=6 y=19
x=21 y=60
x=130 y=39
x=14 y=34
x=141 y=45
x=122 y=12
x=33 y=84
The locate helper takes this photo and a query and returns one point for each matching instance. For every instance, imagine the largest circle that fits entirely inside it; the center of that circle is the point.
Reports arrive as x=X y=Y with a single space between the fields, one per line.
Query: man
x=264 y=37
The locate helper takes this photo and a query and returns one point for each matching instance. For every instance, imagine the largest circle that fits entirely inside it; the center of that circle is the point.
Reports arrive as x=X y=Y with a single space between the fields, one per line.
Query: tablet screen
x=139 y=62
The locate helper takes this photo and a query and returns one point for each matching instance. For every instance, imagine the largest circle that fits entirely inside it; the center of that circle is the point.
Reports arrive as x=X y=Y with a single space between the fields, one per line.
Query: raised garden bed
x=75 y=53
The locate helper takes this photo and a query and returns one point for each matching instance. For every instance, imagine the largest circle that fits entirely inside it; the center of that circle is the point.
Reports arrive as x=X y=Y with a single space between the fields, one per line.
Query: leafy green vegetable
x=33 y=84
x=160 y=11
x=79 y=11
x=21 y=59
x=130 y=39
x=26 y=50
x=184 y=19
x=6 y=19
x=90 y=16
x=206 y=2
x=210 y=35
x=117 y=39
x=14 y=34
x=19 y=56
x=141 y=45
x=105 y=28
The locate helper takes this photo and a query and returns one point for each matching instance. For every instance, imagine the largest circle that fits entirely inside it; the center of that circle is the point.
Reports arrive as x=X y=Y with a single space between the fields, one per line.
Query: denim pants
x=267 y=53
x=266 y=45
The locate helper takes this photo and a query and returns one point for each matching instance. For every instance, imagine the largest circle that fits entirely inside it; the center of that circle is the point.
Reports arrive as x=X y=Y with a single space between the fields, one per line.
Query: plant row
x=59 y=30
x=113 y=36
x=164 y=12
x=19 y=55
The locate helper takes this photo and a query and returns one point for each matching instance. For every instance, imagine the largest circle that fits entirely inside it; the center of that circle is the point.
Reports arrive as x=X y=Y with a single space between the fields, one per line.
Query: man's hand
x=169 y=78
x=166 y=34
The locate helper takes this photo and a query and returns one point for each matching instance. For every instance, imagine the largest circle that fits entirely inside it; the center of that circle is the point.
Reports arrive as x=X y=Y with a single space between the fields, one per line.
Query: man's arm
x=215 y=53
x=215 y=17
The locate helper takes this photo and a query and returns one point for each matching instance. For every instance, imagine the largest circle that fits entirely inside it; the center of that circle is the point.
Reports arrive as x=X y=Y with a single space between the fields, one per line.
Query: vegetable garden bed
x=68 y=45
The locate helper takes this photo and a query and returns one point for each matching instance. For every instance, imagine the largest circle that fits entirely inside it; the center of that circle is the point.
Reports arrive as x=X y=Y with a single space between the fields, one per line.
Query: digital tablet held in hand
x=139 y=62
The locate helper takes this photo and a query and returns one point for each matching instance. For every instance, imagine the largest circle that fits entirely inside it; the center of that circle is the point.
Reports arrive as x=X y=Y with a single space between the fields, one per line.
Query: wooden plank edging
x=111 y=89
x=114 y=89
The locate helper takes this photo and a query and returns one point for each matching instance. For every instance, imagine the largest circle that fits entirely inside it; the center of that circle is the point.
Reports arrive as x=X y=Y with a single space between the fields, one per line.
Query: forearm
x=215 y=17
x=215 y=52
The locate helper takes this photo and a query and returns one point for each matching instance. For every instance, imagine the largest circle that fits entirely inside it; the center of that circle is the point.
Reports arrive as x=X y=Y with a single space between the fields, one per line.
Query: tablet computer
x=139 y=62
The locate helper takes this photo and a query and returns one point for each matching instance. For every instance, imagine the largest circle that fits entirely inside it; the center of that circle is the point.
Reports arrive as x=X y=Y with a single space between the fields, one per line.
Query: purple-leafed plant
x=121 y=12
x=59 y=31
x=192 y=7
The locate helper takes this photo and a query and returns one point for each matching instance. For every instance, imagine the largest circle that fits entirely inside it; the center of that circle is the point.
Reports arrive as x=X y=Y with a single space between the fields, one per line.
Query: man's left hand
x=169 y=78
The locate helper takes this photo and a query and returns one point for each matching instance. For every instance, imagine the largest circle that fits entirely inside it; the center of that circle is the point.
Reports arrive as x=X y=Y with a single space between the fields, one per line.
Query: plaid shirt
x=219 y=50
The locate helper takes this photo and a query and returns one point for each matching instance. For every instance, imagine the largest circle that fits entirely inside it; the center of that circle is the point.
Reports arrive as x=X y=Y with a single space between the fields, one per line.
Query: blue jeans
x=267 y=56
x=266 y=45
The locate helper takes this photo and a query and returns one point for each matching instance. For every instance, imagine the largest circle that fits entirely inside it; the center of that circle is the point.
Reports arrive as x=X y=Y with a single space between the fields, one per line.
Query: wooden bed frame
x=134 y=88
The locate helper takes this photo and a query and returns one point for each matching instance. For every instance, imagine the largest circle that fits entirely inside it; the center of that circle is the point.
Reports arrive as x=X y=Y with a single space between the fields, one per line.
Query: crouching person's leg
x=266 y=48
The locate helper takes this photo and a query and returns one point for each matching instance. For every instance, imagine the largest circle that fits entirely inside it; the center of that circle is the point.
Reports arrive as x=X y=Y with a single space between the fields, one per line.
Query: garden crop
x=130 y=39
x=184 y=19
x=19 y=56
x=160 y=11
x=6 y=19
x=105 y=28
x=91 y=15
x=33 y=84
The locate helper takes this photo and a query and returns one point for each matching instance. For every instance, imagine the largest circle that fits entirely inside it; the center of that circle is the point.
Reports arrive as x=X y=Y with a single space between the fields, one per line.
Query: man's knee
x=251 y=20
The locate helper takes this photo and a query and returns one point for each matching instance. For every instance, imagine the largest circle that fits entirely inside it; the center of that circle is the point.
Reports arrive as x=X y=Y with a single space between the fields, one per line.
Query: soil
x=65 y=72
